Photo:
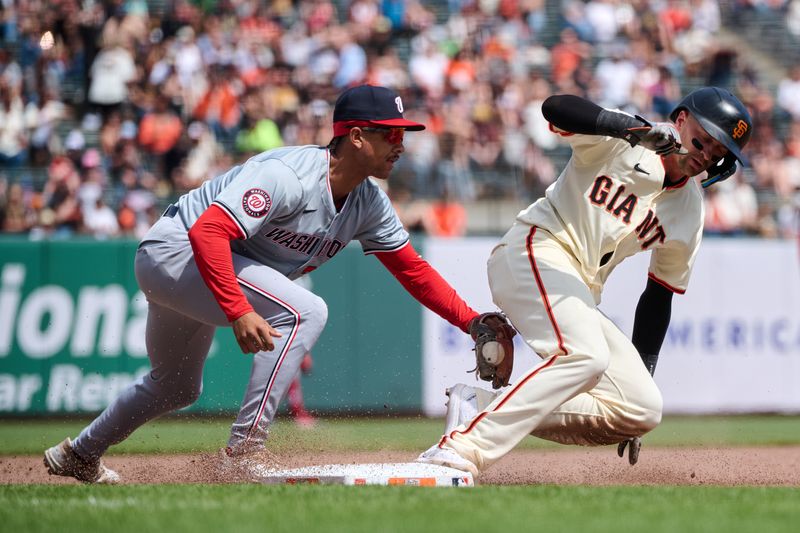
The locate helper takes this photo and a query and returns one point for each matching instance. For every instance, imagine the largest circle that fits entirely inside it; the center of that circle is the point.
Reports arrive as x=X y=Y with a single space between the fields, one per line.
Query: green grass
x=181 y=435
x=308 y=509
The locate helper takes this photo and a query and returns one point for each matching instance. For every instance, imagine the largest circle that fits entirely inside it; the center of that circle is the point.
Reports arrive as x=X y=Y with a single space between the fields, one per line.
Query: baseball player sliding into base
x=626 y=189
x=225 y=255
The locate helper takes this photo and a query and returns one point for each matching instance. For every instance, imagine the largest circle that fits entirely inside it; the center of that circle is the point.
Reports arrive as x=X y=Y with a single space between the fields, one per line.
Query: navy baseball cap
x=370 y=106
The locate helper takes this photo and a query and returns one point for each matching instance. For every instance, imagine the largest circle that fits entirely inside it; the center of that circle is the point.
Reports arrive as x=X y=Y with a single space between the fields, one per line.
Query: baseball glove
x=494 y=348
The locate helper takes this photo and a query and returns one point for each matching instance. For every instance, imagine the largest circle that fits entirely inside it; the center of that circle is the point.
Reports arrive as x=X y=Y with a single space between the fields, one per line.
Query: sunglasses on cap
x=392 y=135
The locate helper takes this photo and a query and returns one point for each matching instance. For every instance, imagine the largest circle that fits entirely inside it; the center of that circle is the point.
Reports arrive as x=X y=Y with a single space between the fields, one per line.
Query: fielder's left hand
x=494 y=347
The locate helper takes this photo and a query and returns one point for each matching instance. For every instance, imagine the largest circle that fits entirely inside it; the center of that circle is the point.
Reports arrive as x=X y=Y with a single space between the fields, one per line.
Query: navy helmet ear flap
x=724 y=169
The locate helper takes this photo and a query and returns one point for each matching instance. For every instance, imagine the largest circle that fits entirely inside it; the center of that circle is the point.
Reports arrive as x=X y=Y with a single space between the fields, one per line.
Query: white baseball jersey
x=610 y=203
x=547 y=274
x=281 y=201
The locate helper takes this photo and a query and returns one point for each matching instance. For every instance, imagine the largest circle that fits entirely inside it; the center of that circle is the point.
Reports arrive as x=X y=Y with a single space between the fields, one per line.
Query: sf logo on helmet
x=740 y=129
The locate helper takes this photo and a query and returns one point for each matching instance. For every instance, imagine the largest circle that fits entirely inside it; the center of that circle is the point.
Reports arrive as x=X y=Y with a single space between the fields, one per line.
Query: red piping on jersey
x=425 y=284
x=509 y=394
x=281 y=357
x=678 y=185
x=665 y=284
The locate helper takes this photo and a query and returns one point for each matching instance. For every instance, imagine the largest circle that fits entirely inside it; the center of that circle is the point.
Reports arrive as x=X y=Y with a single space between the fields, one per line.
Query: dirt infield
x=778 y=466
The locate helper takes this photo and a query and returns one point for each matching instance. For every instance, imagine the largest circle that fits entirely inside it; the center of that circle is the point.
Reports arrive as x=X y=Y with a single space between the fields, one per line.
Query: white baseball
x=493 y=352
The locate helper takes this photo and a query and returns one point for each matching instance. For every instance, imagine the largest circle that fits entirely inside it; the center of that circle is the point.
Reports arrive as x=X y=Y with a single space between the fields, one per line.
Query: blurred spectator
x=535 y=125
x=452 y=169
x=789 y=93
x=422 y=152
x=14 y=138
x=446 y=217
x=164 y=91
x=574 y=13
x=427 y=66
x=705 y=15
x=60 y=196
x=159 y=133
x=567 y=56
x=219 y=106
x=74 y=144
x=461 y=72
x=100 y=220
x=731 y=208
x=260 y=134
x=411 y=211
x=199 y=163
x=16 y=215
x=352 y=58
x=93 y=181
x=112 y=71
x=601 y=15
x=616 y=76
x=43 y=120
x=793 y=17
x=387 y=70
x=188 y=63
x=664 y=92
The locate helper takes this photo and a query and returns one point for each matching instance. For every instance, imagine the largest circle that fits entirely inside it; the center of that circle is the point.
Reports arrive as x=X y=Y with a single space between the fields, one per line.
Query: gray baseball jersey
x=281 y=201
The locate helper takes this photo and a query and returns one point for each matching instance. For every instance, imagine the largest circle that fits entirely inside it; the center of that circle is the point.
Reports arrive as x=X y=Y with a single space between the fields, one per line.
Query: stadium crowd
x=109 y=110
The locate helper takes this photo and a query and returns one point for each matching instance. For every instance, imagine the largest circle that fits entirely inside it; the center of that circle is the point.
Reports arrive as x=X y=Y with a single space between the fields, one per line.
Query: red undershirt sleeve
x=211 y=237
x=425 y=284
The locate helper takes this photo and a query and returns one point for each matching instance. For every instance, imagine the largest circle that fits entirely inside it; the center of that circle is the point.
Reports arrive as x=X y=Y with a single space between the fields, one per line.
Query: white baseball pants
x=591 y=387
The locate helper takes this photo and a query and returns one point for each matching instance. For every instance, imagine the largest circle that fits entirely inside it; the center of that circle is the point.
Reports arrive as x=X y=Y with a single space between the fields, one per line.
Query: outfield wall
x=734 y=339
x=72 y=324
x=72 y=331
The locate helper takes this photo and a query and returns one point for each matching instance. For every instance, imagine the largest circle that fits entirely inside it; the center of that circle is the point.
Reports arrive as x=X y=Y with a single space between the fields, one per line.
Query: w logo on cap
x=399 y=102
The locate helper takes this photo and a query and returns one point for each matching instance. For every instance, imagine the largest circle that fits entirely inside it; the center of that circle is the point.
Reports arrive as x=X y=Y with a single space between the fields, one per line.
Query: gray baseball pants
x=182 y=318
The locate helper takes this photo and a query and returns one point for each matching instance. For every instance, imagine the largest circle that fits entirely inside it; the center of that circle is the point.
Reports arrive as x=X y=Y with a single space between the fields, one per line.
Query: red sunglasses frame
x=391 y=135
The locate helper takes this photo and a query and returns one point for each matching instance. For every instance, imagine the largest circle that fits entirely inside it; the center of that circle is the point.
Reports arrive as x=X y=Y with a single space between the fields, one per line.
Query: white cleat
x=61 y=460
x=447 y=457
x=464 y=403
x=461 y=406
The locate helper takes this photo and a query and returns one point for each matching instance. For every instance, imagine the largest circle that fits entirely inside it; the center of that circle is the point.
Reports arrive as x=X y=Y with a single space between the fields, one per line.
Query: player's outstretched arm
x=429 y=288
x=577 y=115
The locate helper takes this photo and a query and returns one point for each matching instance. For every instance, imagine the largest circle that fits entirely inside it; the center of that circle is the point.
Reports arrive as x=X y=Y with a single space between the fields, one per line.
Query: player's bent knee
x=653 y=410
x=316 y=316
x=186 y=396
x=597 y=364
